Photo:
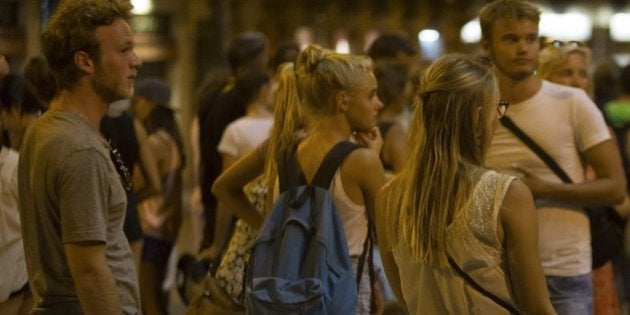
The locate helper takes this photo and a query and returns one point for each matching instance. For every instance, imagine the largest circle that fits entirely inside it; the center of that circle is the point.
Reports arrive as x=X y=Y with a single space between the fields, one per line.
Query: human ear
x=83 y=61
x=342 y=100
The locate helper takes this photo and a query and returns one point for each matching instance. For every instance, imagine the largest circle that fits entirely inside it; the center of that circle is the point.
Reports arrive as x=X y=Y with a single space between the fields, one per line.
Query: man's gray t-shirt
x=70 y=192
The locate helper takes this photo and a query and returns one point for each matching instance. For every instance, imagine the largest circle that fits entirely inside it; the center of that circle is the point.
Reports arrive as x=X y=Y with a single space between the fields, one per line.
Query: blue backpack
x=300 y=262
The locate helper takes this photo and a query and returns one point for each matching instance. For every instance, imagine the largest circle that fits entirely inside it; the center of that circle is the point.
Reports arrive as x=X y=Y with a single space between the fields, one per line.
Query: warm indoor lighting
x=566 y=26
x=428 y=36
x=471 y=32
x=342 y=46
x=619 y=30
x=430 y=44
x=141 y=7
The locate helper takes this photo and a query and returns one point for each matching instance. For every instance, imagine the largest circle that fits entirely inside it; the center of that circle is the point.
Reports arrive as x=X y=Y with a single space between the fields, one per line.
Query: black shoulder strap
x=479 y=288
x=331 y=163
x=289 y=174
x=542 y=154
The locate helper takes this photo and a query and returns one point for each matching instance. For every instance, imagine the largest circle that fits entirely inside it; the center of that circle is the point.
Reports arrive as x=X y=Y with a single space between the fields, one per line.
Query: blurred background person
x=247 y=50
x=568 y=64
x=19 y=108
x=392 y=80
x=160 y=217
x=255 y=88
x=38 y=75
x=128 y=136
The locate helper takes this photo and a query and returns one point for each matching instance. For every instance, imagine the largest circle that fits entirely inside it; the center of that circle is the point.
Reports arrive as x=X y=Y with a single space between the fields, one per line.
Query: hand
x=533 y=182
x=210 y=253
x=371 y=139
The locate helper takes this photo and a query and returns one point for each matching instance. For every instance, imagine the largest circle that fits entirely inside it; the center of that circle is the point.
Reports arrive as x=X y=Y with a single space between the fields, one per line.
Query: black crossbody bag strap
x=479 y=288
x=542 y=154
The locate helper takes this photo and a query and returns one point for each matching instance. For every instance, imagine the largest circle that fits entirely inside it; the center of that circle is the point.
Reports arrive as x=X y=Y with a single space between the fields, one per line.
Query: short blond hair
x=506 y=9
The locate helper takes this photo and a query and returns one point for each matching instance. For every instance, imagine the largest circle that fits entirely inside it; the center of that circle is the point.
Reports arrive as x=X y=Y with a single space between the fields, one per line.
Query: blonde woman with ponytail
x=337 y=93
x=444 y=203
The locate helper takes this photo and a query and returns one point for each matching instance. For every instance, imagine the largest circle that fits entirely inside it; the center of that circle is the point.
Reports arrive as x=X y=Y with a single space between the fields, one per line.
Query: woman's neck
x=331 y=130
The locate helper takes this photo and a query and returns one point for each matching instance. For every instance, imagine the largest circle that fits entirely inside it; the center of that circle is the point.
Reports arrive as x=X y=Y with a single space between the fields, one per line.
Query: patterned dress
x=231 y=270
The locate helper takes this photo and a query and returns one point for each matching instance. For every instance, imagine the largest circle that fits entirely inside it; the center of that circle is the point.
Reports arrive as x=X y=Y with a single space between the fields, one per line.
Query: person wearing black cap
x=160 y=220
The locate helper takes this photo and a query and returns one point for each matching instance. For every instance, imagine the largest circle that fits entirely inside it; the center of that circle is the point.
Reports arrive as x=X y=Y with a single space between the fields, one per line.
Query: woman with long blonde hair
x=445 y=217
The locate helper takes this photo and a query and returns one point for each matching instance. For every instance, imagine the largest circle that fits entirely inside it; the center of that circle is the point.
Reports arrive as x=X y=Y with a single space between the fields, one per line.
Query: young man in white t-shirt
x=569 y=127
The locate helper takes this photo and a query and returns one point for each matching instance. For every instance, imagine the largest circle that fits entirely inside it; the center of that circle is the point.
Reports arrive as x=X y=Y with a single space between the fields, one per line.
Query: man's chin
x=518 y=76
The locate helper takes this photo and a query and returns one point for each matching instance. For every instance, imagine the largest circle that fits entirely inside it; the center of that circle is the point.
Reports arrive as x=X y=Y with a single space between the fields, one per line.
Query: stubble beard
x=107 y=92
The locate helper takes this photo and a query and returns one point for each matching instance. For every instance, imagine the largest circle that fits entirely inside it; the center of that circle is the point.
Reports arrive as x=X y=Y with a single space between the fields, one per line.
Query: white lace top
x=473 y=243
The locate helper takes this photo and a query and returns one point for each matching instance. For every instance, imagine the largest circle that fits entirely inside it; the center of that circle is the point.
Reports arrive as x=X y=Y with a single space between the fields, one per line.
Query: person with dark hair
x=392 y=47
x=392 y=83
x=241 y=136
x=569 y=127
x=40 y=78
x=18 y=110
x=286 y=52
x=72 y=199
x=127 y=135
x=160 y=219
x=19 y=107
x=245 y=51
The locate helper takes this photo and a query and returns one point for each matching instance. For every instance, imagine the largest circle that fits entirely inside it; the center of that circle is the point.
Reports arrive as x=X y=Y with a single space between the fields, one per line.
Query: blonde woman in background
x=568 y=64
x=444 y=204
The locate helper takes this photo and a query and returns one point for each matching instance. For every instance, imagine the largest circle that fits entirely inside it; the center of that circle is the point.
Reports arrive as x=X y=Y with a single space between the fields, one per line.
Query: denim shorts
x=571 y=295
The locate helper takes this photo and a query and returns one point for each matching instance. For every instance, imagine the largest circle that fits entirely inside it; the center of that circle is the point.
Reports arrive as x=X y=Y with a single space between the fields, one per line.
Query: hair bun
x=309 y=58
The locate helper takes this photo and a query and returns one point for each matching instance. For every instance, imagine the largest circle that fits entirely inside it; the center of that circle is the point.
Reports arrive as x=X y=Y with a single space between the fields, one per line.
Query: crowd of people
x=465 y=213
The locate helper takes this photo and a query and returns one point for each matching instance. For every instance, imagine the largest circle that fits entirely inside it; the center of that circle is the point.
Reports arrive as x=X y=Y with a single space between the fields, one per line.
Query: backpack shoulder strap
x=331 y=163
x=289 y=173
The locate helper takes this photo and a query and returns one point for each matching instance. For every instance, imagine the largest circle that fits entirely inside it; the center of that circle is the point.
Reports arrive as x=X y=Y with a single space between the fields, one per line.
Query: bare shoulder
x=362 y=162
x=518 y=200
x=395 y=132
x=363 y=157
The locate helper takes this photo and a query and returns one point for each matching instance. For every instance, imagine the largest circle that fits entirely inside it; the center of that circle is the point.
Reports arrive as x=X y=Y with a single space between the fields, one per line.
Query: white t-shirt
x=244 y=134
x=13 y=274
x=565 y=123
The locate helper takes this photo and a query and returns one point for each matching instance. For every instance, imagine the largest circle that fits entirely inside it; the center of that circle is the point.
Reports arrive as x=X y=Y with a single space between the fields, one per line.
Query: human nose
x=136 y=62
x=379 y=104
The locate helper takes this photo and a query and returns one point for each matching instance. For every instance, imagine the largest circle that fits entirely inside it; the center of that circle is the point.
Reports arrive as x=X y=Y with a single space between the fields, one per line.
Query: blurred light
x=430 y=44
x=602 y=16
x=303 y=36
x=342 y=46
x=141 y=7
x=428 y=36
x=471 y=32
x=619 y=27
x=566 y=26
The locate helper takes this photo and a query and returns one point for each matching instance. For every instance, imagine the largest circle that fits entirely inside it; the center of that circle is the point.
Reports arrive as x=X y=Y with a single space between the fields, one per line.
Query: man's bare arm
x=94 y=283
